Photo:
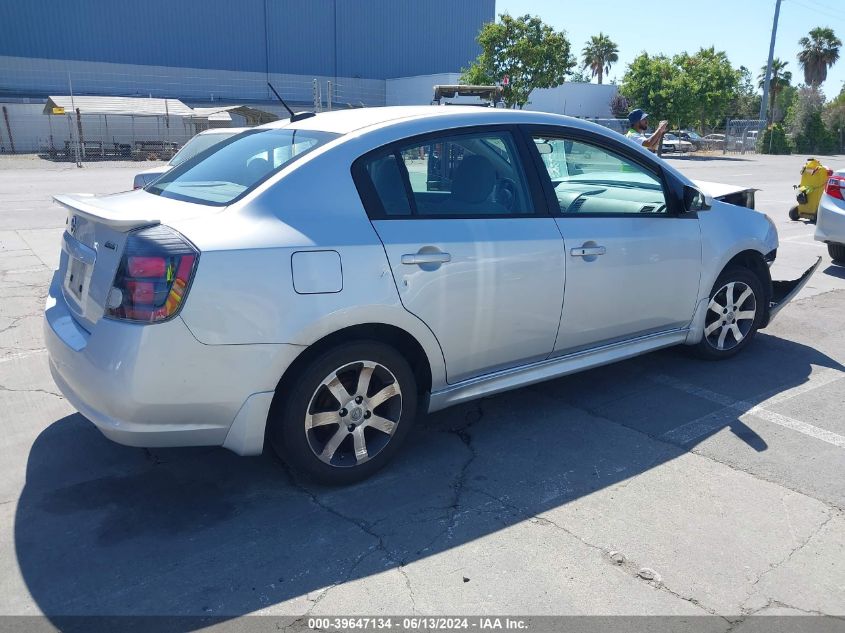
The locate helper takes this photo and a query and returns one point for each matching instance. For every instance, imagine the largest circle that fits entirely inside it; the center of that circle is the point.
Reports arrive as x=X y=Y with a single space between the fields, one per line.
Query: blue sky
x=741 y=28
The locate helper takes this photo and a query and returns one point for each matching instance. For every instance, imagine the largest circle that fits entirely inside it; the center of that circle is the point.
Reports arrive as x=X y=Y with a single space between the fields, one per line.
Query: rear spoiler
x=84 y=204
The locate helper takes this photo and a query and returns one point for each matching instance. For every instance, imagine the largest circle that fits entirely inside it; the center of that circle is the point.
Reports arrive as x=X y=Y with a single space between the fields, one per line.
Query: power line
x=823 y=7
x=816 y=9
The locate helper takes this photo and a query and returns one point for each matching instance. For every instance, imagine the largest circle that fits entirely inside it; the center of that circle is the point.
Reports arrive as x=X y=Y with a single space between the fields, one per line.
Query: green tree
x=653 y=84
x=774 y=141
x=712 y=82
x=746 y=103
x=530 y=52
x=599 y=54
x=786 y=98
x=780 y=79
x=833 y=117
x=819 y=52
x=577 y=77
x=477 y=74
x=805 y=125
x=697 y=89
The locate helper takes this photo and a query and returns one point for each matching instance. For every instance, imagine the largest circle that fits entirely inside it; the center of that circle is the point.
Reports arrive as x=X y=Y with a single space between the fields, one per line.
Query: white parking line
x=704 y=425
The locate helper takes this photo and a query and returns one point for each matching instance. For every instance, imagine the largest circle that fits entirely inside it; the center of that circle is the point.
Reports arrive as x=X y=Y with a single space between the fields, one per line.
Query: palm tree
x=780 y=79
x=819 y=52
x=599 y=53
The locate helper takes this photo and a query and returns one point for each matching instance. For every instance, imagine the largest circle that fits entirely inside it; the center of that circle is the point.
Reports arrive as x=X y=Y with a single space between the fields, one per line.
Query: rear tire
x=837 y=252
x=793 y=214
x=346 y=414
x=737 y=305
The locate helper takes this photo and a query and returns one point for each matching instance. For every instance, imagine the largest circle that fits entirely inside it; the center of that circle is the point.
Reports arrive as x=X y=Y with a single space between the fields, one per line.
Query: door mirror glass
x=544 y=148
x=695 y=200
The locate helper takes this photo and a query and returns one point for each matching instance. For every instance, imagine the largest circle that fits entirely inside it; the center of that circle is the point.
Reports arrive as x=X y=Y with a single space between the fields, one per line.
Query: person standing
x=639 y=124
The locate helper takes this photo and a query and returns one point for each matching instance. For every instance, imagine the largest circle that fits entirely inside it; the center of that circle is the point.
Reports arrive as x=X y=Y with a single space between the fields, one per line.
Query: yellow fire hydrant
x=814 y=177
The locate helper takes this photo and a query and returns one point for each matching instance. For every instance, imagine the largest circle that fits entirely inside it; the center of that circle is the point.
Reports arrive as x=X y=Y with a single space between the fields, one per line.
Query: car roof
x=347 y=121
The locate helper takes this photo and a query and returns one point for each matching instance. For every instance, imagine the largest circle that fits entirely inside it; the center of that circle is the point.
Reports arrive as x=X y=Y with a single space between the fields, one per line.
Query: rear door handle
x=588 y=251
x=426 y=258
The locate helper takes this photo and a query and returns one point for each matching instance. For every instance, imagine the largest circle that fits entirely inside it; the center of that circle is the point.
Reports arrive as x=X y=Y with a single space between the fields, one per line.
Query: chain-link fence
x=741 y=135
x=158 y=111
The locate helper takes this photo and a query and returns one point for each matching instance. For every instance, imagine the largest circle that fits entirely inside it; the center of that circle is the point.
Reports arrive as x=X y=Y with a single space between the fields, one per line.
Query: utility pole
x=765 y=103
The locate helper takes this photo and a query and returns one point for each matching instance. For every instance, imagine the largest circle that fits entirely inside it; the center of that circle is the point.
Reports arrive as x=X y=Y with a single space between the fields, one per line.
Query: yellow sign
x=58 y=110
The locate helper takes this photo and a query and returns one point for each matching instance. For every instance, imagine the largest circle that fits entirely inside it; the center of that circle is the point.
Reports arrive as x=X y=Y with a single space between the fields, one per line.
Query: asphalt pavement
x=660 y=485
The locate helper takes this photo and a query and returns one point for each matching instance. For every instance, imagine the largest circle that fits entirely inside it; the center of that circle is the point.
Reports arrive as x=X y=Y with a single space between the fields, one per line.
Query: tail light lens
x=836 y=187
x=154 y=275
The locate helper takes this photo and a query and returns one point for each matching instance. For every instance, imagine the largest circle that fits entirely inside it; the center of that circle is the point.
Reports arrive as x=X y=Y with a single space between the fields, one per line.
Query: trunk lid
x=94 y=239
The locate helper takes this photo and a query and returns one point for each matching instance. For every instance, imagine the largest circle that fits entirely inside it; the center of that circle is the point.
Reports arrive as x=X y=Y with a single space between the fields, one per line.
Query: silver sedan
x=830 y=221
x=317 y=282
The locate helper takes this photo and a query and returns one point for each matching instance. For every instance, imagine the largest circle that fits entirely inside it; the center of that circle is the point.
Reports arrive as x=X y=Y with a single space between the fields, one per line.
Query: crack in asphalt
x=794 y=550
x=45 y=391
x=628 y=566
x=365 y=527
x=829 y=504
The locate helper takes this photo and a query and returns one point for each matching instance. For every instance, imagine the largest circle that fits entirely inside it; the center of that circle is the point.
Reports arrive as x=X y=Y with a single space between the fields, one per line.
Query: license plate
x=75 y=281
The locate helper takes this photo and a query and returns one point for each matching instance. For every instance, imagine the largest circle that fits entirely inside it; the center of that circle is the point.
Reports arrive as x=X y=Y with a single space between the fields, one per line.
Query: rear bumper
x=830 y=222
x=156 y=385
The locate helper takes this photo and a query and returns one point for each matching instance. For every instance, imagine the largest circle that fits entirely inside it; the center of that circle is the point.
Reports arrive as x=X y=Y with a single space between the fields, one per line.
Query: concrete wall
x=418 y=90
x=574 y=99
x=43 y=77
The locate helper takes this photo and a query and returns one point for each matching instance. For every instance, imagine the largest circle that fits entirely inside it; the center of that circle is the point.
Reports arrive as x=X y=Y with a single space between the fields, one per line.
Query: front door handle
x=588 y=251
x=426 y=258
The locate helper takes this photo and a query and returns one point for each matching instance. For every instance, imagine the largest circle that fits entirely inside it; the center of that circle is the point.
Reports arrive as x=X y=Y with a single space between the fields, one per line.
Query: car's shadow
x=102 y=529
x=835 y=270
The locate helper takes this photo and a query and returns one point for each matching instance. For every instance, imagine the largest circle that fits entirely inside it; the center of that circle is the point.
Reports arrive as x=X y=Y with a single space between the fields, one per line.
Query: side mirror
x=544 y=148
x=695 y=200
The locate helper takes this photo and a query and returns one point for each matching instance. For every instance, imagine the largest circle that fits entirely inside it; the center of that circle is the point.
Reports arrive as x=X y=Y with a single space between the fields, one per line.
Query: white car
x=672 y=143
x=830 y=221
x=312 y=280
x=196 y=144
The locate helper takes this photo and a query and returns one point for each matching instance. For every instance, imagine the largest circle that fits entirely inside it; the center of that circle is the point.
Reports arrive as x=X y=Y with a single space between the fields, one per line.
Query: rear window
x=199 y=143
x=229 y=170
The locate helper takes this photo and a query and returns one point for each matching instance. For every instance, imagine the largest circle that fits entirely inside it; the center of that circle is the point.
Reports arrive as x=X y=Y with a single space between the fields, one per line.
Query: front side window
x=462 y=175
x=590 y=179
x=230 y=169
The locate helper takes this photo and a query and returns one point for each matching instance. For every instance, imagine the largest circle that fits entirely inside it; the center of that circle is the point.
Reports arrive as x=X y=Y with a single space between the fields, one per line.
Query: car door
x=473 y=250
x=633 y=262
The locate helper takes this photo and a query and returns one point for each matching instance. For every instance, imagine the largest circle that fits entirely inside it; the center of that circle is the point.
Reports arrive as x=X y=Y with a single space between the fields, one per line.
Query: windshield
x=229 y=170
x=197 y=144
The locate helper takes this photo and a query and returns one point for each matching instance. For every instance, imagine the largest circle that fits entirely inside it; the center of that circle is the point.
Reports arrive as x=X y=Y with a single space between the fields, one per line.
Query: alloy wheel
x=353 y=414
x=730 y=315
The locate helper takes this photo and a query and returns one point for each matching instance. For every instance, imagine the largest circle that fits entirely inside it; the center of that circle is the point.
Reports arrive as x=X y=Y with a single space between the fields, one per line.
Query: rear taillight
x=153 y=277
x=836 y=187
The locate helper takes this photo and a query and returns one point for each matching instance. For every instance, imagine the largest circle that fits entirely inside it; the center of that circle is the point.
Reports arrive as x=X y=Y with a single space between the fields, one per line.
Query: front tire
x=345 y=416
x=837 y=252
x=736 y=309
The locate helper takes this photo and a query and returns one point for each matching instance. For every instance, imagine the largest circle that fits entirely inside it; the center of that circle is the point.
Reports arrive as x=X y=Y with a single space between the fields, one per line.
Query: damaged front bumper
x=784 y=291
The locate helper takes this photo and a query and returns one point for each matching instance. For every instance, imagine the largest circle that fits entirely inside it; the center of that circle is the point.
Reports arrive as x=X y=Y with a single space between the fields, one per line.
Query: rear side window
x=466 y=175
x=229 y=170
